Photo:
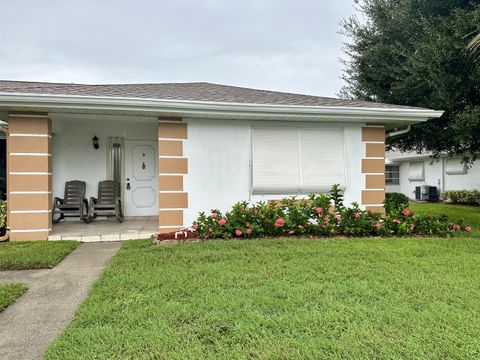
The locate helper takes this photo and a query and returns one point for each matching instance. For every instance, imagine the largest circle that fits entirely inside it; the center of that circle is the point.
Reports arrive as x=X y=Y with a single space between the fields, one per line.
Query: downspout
x=400 y=132
x=7 y=232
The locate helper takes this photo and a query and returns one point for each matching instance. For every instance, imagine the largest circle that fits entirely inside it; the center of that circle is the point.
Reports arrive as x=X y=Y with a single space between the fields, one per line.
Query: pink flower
x=291 y=232
x=255 y=211
x=249 y=231
x=262 y=216
x=210 y=230
x=468 y=228
x=406 y=212
x=195 y=226
x=242 y=209
x=279 y=222
x=213 y=215
x=247 y=224
x=222 y=221
x=396 y=221
x=457 y=227
x=378 y=226
x=319 y=210
x=238 y=232
x=338 y=217
x=357 y=216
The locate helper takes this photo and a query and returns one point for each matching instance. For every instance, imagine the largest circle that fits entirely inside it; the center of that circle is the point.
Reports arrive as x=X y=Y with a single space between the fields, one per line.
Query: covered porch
x=132 y=228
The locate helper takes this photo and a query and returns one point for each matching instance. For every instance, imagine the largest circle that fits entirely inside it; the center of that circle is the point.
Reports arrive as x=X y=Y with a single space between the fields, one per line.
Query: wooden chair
x=73 y=203
x=108 y=202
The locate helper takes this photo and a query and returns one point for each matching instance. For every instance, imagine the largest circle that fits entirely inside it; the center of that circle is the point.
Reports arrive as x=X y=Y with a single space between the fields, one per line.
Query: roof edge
x=106 y=103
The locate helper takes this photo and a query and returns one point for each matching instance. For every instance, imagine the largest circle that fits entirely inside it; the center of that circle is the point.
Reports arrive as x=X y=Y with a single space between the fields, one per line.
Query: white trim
x=32 y=135
x=172 y=209
x=29 y=173
x=171 y=174
x=171 y=121
x=30 y=154
x=28 y=116
x=381 y=173
x=30 y=230
x=30 y=211
x=375 y=126
x=380 y=189
x=171 y=192
x=171 y=157
x=382 y=205
x=29 y=192
x=170 y=139
x=373 y=142
x=394 y=115
x=170 y=226
x=374 y=158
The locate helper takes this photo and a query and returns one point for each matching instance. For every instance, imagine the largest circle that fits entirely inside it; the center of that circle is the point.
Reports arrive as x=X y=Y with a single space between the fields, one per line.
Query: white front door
x=141 y=179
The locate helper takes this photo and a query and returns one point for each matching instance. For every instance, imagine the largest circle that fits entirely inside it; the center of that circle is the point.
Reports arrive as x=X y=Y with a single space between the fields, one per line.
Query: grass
x=10 y=292
x=282 y=299
x=34 y=254
x=471 y=214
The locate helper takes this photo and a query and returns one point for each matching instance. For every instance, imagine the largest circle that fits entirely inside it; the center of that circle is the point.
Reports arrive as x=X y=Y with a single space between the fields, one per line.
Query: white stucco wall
x=219 y=156
x=433 y=177
x=73 y=155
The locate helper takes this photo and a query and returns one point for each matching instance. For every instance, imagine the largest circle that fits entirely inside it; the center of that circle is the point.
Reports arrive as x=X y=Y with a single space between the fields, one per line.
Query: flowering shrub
x=318 y=215
x=395 y=202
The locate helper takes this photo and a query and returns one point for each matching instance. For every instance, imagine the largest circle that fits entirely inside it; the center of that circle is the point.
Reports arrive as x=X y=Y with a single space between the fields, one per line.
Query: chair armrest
x=93 y=200
x=57 y=200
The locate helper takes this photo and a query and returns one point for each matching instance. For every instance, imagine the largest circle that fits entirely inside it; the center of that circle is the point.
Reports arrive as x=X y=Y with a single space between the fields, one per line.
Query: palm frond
x=474 y=48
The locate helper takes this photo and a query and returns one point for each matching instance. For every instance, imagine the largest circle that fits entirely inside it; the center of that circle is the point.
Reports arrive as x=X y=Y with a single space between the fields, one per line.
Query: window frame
x=300 y=189
x=391 y=180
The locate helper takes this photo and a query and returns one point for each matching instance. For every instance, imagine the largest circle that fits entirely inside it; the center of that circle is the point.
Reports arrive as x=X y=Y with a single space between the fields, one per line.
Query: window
x=392 y=174
x=292 y=160
x=416 y=171
x=455 y=167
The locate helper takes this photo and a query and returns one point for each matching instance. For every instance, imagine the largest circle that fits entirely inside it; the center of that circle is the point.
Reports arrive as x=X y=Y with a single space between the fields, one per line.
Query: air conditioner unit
x=426 y=193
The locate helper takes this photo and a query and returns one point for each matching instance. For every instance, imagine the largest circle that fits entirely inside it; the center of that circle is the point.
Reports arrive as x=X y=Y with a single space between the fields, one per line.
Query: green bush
x=395 y=203
x=3 y=216
x=318 y=216
x=465 y=197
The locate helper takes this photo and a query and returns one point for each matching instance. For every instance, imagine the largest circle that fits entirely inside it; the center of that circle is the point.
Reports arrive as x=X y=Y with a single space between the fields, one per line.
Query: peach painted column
x=172 y=167
x=373 y=168
x=29 y=190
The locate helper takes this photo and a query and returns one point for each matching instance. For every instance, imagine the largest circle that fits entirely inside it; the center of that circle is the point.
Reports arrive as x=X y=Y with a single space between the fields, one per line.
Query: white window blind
x=290 y=161
x=455 y=167
x=416 y=171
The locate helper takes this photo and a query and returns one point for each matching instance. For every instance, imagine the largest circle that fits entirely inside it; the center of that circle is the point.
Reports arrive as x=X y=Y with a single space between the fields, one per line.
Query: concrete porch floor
x=132 y=228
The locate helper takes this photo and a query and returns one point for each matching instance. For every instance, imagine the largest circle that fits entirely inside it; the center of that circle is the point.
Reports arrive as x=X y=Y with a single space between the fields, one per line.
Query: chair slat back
x=74 y=192
x=108 y=191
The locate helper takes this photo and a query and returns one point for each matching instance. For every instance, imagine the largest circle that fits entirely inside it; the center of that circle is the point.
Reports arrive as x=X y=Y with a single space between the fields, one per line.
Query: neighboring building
x=178 y=149
x=404 y=172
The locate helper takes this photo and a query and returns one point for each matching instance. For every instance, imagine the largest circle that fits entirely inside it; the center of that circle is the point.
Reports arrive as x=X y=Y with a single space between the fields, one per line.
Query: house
x=181 y=148
x=404 y=172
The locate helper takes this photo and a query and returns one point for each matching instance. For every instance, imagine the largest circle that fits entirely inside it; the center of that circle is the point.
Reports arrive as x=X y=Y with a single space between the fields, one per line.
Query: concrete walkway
x=29 y=325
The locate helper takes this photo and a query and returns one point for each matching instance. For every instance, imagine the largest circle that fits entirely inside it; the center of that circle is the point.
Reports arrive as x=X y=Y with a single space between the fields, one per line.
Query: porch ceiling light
x=95 y=142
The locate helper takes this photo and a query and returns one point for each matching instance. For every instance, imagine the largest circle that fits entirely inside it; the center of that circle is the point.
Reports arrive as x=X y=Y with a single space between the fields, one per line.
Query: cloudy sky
x=281 y=45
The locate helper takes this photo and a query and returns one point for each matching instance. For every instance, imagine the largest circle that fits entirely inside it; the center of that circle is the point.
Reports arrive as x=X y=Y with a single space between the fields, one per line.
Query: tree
x=412 y=52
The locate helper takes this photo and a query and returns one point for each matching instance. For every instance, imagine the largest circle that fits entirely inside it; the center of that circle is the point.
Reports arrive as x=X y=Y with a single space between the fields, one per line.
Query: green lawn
x=282 y=299
x=10 y=292
x=34 y=254
x=471 y=214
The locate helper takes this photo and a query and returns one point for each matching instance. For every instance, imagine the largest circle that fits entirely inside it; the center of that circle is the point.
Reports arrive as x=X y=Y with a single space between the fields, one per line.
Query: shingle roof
x=195 y=91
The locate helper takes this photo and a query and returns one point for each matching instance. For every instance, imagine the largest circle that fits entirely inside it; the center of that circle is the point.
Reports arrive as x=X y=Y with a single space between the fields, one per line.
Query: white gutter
x=19 y=101
x=400 y=132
